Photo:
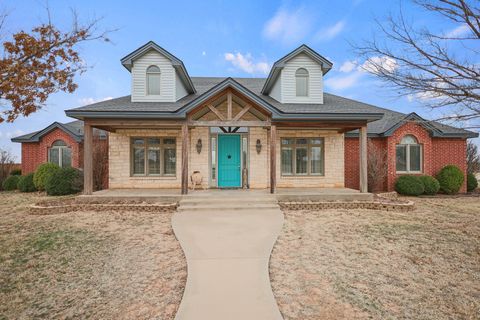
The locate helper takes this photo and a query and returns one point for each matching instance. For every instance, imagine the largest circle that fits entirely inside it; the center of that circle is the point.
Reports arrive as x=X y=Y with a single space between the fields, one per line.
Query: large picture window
x=154 y=156
x=409 y=155
x=60 y=154
x=302 y=156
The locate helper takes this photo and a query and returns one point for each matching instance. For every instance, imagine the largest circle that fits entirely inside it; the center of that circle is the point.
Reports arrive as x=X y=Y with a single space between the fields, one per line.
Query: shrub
x=451 y=179
x=42 y=173
x=25 y=183
x=10 y=183
x=472 y=182
x=16 y=172
x=409 y=185
x=431 y=185
x=64 y=181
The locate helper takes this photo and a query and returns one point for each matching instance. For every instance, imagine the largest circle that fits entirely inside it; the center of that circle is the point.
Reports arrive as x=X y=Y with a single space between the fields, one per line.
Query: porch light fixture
x=258 y=146
x=199 y=146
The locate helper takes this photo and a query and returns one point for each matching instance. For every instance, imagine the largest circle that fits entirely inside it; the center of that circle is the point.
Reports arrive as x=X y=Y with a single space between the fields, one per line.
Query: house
x=275 y=132
x=59 y=143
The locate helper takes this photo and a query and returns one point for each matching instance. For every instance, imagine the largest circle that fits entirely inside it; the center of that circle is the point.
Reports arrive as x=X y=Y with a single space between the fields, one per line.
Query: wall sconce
x=258 y=146
x=199 y=146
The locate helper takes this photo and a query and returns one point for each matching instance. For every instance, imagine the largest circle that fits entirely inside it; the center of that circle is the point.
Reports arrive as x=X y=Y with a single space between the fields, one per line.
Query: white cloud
x=376 y=63
x=288 y=26
x=344 y=82
x=331 y=31
x=11 y=134
x=348 y=66
x=246 y=63
x=204 y=53
x=90 y=100
x=459 y=31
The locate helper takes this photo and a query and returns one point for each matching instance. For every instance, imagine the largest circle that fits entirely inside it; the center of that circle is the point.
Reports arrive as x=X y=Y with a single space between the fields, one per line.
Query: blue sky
x=216 y=38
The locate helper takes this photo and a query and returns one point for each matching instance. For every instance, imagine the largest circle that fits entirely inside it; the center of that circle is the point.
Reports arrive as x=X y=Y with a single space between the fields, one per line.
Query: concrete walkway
x=227 y=242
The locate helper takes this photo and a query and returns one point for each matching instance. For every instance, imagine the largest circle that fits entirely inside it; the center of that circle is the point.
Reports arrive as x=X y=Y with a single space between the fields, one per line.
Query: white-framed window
x=153 y=81
x=302 y=156
x=60 y=154
x=409 y=154
x=301 y=81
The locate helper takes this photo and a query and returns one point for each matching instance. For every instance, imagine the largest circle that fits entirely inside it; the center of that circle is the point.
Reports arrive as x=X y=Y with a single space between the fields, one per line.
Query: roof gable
x=280 y=64
x=177 y=64
x=35 y=137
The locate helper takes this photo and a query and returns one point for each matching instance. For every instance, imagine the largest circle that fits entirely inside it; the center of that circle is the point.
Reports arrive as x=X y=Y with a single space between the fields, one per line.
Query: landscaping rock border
x=56 y=207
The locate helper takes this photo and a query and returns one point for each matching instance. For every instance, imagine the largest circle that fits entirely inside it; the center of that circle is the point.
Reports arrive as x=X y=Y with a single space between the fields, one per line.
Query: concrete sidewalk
x=227 y=255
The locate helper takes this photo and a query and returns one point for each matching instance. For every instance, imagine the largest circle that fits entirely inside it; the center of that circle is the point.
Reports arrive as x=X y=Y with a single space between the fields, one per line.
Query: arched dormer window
x=60 y=154
x=153 y=81
x=409 y=155
x=301 y=79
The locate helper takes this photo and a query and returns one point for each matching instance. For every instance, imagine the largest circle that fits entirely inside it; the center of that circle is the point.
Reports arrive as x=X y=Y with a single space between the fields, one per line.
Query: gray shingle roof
x=332 y=104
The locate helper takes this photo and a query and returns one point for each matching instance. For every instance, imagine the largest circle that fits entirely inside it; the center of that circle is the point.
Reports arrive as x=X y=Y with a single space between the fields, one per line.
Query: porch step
x=226 y=207
x=228 y=202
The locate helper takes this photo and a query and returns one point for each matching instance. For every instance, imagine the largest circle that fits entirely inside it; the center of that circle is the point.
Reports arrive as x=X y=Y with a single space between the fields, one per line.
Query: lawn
x=87 y=264
x=367 y=264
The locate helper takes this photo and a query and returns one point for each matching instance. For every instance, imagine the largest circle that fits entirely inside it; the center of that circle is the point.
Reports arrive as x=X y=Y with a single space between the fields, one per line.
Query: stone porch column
x=363 y=159
x=87 y=159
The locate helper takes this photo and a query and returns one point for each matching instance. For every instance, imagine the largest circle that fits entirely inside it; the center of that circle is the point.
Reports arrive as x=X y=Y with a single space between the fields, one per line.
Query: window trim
x=309 y=146
x=407 y=156
x=147 y=80
x=162 y=147
x=60 y=153
x=307 y=85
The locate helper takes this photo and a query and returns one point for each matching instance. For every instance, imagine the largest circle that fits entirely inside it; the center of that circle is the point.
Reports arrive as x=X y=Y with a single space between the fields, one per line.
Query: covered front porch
x=233 y=140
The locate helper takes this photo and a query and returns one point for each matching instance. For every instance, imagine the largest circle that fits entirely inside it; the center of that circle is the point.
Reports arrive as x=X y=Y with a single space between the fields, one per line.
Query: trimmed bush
x=431 y=185
x=42 y=173
x=10 y=183
x=472 y=182
x=451 y=179
x=25 y=183
x=64 y=181
x=16 y=172
x=409 y=185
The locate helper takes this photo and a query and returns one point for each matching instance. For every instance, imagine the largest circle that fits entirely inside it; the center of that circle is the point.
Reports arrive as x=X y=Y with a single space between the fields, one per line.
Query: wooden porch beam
x=242 y=112
x=87 y=159
x=228 y=123
x=363 y=159
x=135 y=123
x=273 y=161
x=184 y=158
x=216 y=112
x=229 y=105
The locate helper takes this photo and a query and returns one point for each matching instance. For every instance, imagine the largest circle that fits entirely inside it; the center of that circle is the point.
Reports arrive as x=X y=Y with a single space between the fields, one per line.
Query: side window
x=60 y=154
x=301 y=81
x=409 y=155
x=153 y=80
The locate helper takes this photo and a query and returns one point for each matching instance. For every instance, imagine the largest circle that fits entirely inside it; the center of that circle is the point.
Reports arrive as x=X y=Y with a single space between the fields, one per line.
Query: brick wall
x=36 y=153
x=437 y=153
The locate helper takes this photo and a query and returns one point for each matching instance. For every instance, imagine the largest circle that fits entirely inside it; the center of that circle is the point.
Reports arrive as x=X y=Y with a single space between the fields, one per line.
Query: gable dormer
x=157 y=75
x=298 y=77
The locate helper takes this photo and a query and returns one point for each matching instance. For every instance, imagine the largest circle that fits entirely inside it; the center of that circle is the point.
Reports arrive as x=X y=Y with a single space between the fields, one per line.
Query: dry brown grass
x=367 y=264
x=86 y=264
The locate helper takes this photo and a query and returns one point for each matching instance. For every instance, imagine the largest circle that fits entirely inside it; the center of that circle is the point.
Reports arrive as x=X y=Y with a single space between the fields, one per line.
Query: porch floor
x=282 y=194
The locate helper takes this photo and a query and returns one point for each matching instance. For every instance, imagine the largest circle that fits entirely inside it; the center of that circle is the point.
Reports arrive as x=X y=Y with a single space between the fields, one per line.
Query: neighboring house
x=282 y=131
x=59 y=143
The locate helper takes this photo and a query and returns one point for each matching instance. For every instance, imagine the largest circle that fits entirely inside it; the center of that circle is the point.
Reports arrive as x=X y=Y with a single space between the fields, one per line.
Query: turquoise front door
x=229 y=161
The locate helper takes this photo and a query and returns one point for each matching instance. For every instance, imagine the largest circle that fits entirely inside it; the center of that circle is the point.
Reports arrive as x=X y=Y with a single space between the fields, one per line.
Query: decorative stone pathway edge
x=387 y=205
x=46 y=209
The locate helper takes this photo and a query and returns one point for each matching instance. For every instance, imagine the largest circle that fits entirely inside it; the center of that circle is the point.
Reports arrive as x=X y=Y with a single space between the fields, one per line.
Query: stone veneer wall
x=196 y=161
x=334 y=162
x=119 y=160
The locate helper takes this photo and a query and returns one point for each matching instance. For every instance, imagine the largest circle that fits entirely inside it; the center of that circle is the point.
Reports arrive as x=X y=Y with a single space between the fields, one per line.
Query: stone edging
x=45 y=209
x=372 y=205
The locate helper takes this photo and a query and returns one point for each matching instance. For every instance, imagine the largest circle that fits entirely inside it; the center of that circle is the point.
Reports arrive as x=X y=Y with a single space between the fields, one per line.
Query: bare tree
x=377 y=166
x=100 y=162
x=36 y=63
x=473 y=158
x=423 y=64
x=7 y=162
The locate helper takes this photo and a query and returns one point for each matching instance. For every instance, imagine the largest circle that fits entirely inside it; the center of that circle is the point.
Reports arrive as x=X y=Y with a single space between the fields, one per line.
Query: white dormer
x=157 y=75
x=298 y=77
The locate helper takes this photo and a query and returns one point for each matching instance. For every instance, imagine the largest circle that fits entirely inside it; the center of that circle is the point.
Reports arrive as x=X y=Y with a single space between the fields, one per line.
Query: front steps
x=228 y=201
